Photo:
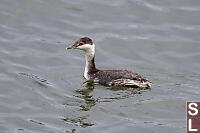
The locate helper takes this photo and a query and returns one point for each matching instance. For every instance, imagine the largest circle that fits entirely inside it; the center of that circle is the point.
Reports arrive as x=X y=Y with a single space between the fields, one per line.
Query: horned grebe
x=107 y=77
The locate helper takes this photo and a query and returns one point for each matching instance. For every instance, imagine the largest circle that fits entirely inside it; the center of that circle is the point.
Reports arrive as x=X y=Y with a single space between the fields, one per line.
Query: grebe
x=107 y=77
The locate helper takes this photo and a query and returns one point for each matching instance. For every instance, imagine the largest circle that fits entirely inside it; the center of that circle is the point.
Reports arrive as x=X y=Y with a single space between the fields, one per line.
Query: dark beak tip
x=71 y=47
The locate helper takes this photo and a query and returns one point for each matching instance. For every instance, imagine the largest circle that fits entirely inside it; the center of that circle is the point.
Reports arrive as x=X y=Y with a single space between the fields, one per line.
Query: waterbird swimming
x=124 y=78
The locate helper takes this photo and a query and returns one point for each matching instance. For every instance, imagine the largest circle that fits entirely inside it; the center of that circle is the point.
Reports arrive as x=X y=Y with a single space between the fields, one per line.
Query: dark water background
x=41 y=84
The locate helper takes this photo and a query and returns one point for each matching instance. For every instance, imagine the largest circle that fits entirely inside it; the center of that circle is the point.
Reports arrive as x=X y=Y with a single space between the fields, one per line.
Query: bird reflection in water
x=86 y=94
x=117 y=93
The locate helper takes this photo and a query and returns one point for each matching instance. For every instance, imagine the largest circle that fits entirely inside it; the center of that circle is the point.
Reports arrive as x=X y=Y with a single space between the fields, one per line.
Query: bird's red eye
x=80 y=43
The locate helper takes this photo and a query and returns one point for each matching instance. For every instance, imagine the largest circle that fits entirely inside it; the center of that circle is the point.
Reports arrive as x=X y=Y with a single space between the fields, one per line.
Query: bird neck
x=90 y=62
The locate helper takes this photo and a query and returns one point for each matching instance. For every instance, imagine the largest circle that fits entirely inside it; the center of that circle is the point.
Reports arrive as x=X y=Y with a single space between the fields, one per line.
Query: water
x=42 y=89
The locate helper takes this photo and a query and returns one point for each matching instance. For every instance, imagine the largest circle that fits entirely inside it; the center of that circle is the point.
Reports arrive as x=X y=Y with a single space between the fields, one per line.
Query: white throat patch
x=89 y=55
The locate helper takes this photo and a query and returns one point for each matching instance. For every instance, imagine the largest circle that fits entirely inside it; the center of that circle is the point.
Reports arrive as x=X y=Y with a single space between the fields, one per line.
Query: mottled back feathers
x=119 y=77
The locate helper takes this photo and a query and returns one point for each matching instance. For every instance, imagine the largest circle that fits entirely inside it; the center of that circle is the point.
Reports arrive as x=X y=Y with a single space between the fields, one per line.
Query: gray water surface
x=42 y=88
